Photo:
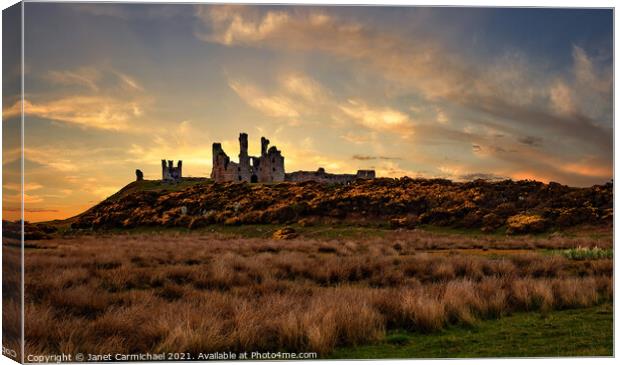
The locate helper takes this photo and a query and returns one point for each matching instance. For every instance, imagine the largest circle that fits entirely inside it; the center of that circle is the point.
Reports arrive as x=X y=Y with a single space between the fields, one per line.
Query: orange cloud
x=508 y=88
x=588 y=170
x=529 y=175
x=379 y=118
x=85 y=111
x=83 y=76
x=275 y=106
x=304 y=87
x=562 y=98
x=107 y=105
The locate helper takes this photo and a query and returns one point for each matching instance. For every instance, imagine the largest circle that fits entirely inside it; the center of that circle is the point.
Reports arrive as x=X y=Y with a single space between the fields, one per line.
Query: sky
x=456 y=93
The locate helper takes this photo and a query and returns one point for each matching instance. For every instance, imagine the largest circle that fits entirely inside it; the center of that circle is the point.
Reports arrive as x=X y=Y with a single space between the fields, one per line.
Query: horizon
x=454 y=93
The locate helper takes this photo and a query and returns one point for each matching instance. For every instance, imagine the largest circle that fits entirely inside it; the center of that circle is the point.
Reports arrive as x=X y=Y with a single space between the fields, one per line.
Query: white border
x=471 y=3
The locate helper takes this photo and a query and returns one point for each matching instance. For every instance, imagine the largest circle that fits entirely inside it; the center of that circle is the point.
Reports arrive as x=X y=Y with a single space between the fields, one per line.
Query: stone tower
x=243 y=170
x=171 y=173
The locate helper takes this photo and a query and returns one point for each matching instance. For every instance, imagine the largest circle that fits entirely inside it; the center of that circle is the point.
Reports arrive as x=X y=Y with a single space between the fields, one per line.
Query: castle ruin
x=169 y=172
x=269 y=167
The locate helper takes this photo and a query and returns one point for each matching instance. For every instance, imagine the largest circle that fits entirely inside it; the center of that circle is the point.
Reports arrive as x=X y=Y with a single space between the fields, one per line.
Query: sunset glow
x=421 y=92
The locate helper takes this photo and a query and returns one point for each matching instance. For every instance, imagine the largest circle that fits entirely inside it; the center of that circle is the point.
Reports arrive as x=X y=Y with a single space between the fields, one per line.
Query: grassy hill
x=511 y=206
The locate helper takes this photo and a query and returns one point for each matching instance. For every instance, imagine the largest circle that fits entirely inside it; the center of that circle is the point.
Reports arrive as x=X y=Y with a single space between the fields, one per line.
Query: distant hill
x=516 y=206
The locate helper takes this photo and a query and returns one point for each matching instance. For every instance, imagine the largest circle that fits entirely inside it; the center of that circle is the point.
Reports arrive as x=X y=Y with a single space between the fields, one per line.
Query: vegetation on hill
x=513 y=206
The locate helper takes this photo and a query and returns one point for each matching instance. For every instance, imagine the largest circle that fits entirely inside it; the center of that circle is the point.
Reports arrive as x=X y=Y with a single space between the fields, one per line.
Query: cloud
x=112 y=102
x=60 y=160
x=63 y=180
x=589 y=167
x=235 y=28
x=295 y=97
x=319 y=31
x=304 y=87
x=367 y=158
x=357 y=138
x=85 y=111
x=12 y=111
x=393 y=169
x=275 y=106
x=105 y=10
x=184 y=141
x=530 y=141
x=94 y=78
x=562 y=98
x=509 y=88
x=592 y=88
x=544 y=166
x=577 y=127
x=83 y=76
x=299 y=97
x=378 y=118
x=242 y=25
x=128 y=81
x=587 y=75
x=441 y=116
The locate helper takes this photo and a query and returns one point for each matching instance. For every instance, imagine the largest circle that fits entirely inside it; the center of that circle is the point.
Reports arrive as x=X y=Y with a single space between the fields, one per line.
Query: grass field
x=333 y=290
x=573 y=332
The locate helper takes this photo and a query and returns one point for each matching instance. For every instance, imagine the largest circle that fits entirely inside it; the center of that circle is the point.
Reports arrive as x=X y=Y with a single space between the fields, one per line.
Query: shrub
x=586 y=253
x=525 y=223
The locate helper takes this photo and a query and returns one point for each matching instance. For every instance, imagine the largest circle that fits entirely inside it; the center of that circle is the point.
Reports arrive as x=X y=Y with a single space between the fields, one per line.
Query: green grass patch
x=258 y=231
x=587 y=253
x=467 y=232
x=575 y=332
x=317 y=231
x=159 y=186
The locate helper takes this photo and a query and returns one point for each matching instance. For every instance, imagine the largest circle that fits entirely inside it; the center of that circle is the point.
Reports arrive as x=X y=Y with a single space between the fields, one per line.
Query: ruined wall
x=321 y=176
x=365 y=174
x=271 y=165
x=223 y=169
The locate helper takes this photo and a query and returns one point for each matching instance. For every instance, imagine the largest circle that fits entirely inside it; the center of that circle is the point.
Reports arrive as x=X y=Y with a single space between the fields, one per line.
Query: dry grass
x=11 y=297
x=197 y=293
x=423 y=240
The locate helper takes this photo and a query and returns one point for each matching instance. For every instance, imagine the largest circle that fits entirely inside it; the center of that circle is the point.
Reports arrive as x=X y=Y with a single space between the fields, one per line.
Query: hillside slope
x=520 y=207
